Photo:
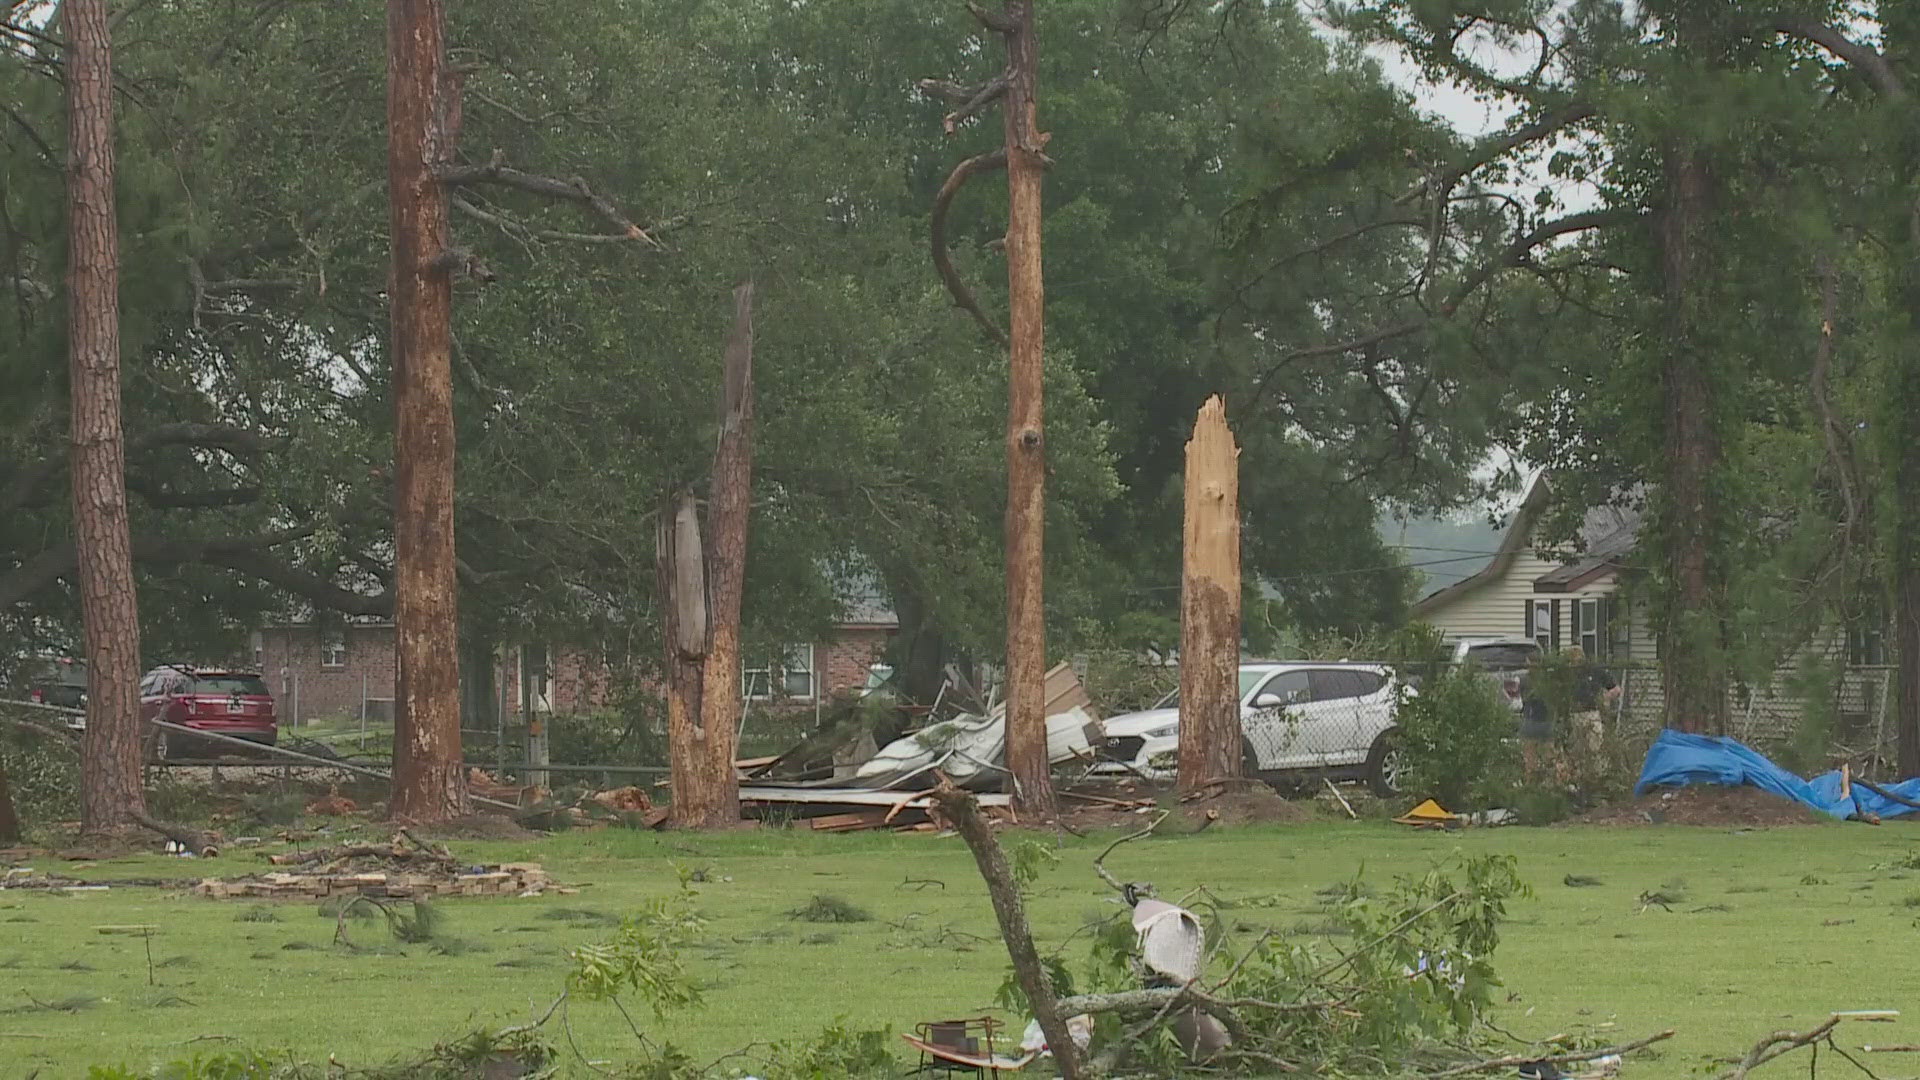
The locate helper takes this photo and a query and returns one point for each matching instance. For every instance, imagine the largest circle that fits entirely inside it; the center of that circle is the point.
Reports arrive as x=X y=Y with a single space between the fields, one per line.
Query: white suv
x=1331 y=719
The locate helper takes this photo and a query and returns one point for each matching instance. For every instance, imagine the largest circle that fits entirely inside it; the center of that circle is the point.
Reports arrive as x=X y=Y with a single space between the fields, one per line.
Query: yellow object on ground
x=1429 y=815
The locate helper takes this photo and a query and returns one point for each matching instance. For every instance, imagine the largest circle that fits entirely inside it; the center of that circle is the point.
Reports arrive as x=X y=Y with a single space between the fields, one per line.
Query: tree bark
x=1026 y=447
x=1210 y=733
x=706 y=794
x=1903 y=418
x=682 y=586
x=9 y=818
x=110 y=791
x=422 y=118
x=1900 y=25
x=1694 y=632
x=963 y=810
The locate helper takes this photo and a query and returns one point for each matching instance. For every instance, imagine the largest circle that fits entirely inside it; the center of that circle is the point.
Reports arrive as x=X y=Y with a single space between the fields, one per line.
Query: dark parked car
x=217 y=701
x=61 y=681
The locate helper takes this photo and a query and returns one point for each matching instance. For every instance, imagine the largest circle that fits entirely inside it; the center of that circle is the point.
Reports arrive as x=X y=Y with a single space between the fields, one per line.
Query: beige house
x=1557 y=597
x=1572 y=595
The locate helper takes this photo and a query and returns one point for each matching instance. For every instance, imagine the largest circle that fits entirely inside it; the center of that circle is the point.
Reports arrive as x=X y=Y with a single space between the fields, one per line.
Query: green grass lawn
x=1777 y=928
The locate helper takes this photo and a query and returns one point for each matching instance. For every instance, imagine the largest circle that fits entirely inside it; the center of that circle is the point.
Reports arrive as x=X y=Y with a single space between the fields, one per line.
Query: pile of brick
x=506 y=879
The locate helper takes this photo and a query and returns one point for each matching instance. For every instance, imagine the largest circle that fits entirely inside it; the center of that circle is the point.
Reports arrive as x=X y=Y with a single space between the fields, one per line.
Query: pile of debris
x=404 y=868
x=838 y=783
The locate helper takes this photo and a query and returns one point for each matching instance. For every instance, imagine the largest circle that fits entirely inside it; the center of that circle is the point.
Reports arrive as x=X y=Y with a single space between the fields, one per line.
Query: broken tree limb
x=1513 y=1061
x=1100 y=862
x=1160 y=998
x=1884 y=793
x=970 y=99
x=942 y=259
x=963 y=811
x=1778 y=1043
x=572 y=189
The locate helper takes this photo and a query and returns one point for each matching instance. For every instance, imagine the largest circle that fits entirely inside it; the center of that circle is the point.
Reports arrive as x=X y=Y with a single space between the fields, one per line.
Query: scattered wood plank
x=854 y=822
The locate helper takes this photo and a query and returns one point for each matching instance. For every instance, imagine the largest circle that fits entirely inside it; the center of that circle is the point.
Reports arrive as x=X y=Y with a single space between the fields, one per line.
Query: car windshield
x=1249 y=678
x=229 y=684
x=1501 y=657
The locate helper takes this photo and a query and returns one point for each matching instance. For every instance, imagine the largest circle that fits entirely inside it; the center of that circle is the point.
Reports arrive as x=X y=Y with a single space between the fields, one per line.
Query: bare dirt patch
x=1724 y=807
x=1252 y=803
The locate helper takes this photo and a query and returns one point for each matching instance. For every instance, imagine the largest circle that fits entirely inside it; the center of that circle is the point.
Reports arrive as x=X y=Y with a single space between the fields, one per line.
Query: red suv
x=231 y=703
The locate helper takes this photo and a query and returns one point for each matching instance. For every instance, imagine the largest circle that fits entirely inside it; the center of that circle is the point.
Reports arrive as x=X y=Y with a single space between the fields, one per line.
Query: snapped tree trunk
x=422 y=113
x=1694 y=664
x=110 y=793
x=680 y=573
x=1026 y=446
x=702 y=578
x=711 y=795
x=1210 y=733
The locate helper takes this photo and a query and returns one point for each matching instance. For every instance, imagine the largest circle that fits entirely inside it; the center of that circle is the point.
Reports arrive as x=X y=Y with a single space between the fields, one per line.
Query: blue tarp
x=1678 y=759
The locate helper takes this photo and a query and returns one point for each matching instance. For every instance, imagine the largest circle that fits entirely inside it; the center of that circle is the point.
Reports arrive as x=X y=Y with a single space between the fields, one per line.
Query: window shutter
x=1553 y=634
x=1526 y=618
x=1602 y=617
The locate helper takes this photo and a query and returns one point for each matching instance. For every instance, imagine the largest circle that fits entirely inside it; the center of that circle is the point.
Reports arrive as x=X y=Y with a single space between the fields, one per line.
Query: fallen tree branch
x=942 y=259
x=962 y=810
x=1777 y=1044
x=1162 y=999
x=1100 y=861
x=1885 y=794
x=1516 y=1060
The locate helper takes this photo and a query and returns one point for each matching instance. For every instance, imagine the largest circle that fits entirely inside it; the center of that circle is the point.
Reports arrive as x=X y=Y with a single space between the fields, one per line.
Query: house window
x=1586 y=616
x=789 y=676
x=1866 y=644
x=333 y=651
x=1540 y=624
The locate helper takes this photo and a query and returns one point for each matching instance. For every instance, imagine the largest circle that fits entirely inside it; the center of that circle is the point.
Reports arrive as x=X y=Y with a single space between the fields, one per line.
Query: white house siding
x=1498 y=608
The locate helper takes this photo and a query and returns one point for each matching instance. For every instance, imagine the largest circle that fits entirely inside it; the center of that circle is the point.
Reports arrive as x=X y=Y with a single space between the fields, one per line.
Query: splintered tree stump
x=1210 y=732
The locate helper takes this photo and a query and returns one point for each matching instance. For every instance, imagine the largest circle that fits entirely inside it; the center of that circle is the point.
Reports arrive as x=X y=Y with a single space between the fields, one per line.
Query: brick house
x=343 y=668
x=335 y=669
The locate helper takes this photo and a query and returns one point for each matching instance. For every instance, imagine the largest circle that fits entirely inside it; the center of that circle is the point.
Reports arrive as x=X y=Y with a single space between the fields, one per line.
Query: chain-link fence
x=1330 y=717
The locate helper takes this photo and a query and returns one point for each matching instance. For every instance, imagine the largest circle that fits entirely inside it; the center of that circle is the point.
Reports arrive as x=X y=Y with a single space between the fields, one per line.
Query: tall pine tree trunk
x=1904 y=421
x=427 y=781
x=1693 y=631
x=1026 y=446
x=1900 y=420
x=110 y=793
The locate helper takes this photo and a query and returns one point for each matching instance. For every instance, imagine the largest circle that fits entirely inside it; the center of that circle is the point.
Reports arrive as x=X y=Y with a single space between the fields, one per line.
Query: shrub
x=1459 y=740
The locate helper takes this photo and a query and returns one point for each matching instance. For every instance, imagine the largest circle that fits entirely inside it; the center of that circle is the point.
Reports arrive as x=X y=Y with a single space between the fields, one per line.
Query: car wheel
x=1249 y=761
x=1386 y=765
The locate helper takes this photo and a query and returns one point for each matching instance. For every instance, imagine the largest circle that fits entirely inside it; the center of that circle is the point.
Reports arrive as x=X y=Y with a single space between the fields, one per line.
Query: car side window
x=1342 y=684
x=1366 y=683
x=1292 y=687
x=1332 y=685
x=146 y=686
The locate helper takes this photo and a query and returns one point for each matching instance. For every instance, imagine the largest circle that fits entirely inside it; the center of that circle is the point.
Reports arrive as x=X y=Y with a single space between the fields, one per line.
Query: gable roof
x=1608 y=534
x=1602 y=557
x=1519 y=528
